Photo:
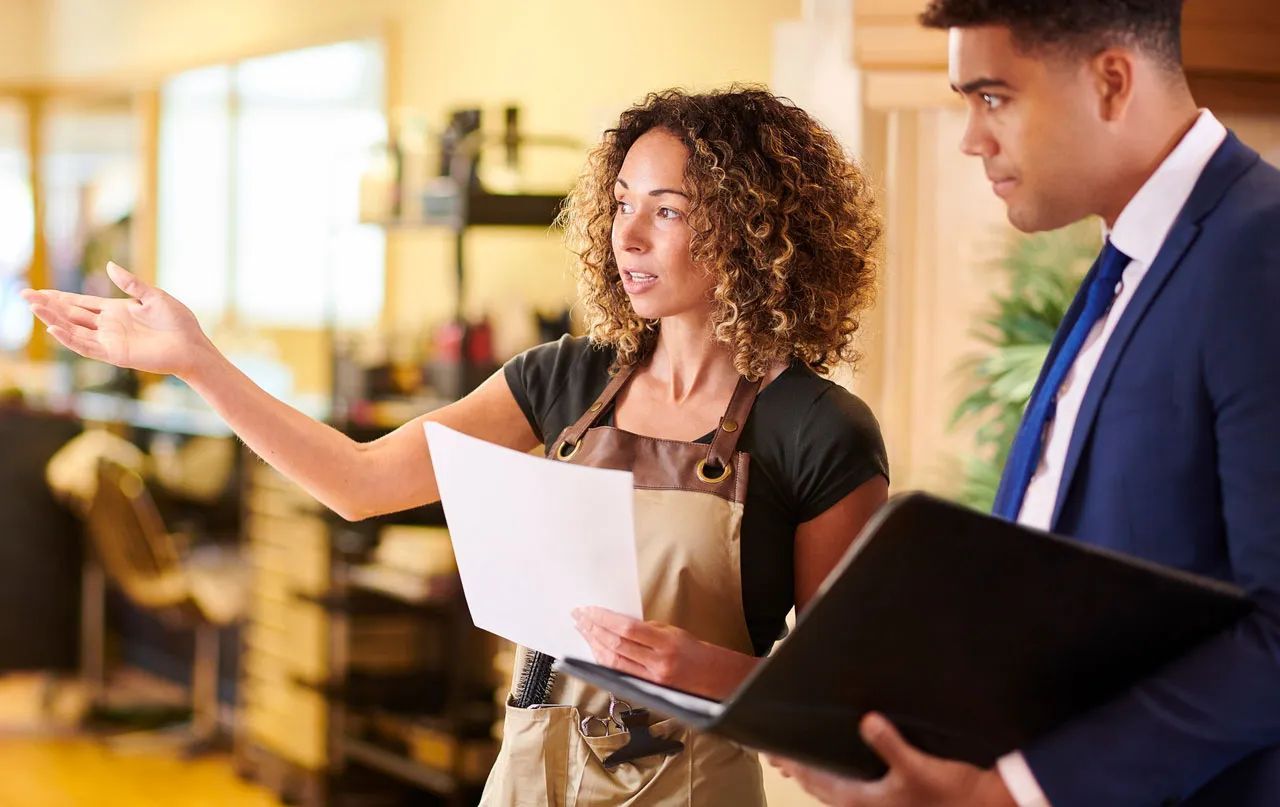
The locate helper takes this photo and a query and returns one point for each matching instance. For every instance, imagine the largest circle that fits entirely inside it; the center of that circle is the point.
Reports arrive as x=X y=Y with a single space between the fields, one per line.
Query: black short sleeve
x=838 y=447
x=554 y=382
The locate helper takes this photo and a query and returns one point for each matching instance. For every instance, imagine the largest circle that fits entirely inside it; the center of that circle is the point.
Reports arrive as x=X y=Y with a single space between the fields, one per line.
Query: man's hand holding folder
x=914 y=777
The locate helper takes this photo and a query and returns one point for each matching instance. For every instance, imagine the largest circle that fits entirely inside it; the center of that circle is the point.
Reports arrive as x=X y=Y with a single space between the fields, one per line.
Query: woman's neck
x=688 y=361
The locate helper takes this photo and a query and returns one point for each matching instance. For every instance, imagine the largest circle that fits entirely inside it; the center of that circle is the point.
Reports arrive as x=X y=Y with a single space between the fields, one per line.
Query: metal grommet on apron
x=689 y=502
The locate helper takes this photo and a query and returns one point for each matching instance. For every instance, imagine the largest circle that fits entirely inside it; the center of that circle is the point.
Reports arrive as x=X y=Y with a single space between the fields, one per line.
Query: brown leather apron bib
x=688 y=529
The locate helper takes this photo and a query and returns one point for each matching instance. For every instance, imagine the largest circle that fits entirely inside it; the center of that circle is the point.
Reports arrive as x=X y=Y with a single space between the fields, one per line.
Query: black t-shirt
x=811 y=443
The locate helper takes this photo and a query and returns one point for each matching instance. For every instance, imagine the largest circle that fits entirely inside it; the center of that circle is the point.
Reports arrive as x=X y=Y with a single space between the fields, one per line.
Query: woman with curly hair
x=725 y=252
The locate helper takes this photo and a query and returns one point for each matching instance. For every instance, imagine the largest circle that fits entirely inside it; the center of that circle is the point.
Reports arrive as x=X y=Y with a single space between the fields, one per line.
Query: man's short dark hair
x=1078 y=27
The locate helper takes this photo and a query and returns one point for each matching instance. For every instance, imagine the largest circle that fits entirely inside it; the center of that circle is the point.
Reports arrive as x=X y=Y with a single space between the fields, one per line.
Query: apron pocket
x=649 y=780
x=532 y=768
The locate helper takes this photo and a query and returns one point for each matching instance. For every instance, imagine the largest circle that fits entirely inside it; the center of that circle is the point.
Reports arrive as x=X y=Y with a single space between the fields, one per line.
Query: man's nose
x=977 y=140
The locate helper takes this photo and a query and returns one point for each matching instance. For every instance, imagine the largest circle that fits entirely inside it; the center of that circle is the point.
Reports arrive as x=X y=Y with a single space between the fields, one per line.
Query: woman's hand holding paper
x=663 y=654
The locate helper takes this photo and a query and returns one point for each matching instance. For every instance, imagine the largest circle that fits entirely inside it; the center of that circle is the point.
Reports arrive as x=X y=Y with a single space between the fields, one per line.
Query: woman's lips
x=637 y=282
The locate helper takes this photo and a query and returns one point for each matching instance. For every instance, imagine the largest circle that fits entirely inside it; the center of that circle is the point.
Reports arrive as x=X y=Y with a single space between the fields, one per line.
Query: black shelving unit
x=457 y=200
x=447 y=699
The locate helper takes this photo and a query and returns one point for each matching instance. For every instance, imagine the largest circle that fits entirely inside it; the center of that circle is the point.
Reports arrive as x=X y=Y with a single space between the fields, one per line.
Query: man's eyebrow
x=981 y=84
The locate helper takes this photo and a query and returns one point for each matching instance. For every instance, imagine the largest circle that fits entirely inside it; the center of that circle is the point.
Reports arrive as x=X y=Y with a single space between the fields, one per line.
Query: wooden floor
x=84 y=773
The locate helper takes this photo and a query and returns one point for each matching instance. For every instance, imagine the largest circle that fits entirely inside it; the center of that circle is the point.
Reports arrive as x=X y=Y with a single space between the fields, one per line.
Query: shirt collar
x=1145 y=222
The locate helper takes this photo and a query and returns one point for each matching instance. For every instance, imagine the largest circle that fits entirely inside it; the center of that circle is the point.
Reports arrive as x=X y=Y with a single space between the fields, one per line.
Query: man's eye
x=992 y=101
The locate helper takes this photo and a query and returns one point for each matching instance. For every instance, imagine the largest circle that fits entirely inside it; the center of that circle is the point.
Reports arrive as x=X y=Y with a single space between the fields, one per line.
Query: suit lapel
x=1175 y=246
x=1226 y=166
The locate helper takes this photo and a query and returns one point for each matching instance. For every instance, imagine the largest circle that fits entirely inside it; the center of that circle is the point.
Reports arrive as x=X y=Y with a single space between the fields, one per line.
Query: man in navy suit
x=1155 y=426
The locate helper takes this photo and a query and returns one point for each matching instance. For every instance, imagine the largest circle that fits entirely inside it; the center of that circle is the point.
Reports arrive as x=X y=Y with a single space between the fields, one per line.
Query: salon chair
x=204 y=589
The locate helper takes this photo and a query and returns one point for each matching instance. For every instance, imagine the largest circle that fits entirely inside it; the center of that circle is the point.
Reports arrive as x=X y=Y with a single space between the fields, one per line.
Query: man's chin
x=1028 y=220
x=1021 y=223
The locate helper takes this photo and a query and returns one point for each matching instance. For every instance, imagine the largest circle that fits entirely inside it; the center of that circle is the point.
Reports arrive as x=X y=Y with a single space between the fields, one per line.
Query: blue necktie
x=1024 y=456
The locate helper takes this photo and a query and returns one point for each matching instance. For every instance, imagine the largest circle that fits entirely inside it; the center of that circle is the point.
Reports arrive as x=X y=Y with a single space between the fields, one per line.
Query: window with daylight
x=259 y=174
x=17 y=226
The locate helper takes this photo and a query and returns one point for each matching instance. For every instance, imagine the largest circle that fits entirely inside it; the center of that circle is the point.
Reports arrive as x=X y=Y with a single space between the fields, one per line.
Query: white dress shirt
x=1139 y=233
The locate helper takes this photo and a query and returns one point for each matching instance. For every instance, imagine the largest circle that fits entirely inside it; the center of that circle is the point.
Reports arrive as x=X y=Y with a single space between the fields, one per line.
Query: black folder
x=972 y=634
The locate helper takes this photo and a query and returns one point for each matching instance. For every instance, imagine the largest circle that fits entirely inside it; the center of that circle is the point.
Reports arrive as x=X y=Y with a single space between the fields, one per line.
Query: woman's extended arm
x=153 y=332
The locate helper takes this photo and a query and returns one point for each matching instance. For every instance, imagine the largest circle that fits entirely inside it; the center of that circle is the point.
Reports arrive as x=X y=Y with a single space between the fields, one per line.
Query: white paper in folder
x=536 y=538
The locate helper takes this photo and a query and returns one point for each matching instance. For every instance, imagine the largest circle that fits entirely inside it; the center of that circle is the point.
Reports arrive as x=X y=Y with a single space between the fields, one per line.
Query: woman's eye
x=668 y=213
x=623 y=207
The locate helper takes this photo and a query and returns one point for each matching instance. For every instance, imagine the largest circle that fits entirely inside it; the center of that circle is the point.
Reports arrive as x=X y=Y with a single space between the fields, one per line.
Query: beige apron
x=688 y=524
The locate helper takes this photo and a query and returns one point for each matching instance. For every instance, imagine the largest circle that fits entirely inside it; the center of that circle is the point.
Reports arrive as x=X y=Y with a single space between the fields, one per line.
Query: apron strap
x=723 y=445
x=569 y=438
x=730 y=429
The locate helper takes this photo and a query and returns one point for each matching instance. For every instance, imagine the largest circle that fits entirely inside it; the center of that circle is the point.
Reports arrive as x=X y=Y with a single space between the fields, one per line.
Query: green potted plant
x=1043 y=272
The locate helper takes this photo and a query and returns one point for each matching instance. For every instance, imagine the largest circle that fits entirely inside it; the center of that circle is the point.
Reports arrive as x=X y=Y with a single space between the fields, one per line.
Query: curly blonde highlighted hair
x=785 y=222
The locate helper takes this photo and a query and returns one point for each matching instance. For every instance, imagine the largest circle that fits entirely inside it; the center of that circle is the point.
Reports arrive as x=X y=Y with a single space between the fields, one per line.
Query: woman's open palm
x=148 y=330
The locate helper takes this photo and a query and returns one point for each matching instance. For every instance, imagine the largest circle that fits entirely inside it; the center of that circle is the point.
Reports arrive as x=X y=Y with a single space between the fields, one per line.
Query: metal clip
x=616 y=714
x=585 y=726
x=641 y=743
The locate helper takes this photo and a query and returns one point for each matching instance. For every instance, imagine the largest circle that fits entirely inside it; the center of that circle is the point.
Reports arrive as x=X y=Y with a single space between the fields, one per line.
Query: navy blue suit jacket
x=1175 y=457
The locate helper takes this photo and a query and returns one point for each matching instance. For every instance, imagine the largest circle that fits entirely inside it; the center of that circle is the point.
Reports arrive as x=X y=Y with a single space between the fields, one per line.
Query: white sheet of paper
x=536 y=538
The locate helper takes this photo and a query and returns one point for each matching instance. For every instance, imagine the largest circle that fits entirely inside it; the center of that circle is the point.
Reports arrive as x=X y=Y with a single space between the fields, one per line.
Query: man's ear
x=1112 y=73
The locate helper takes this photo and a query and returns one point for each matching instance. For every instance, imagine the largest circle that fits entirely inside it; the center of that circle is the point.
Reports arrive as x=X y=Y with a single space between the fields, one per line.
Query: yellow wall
x=22 y=36
x=142 y=39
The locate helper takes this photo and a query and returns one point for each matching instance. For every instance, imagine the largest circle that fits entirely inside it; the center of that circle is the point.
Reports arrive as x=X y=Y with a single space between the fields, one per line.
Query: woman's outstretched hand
x=148 y=330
